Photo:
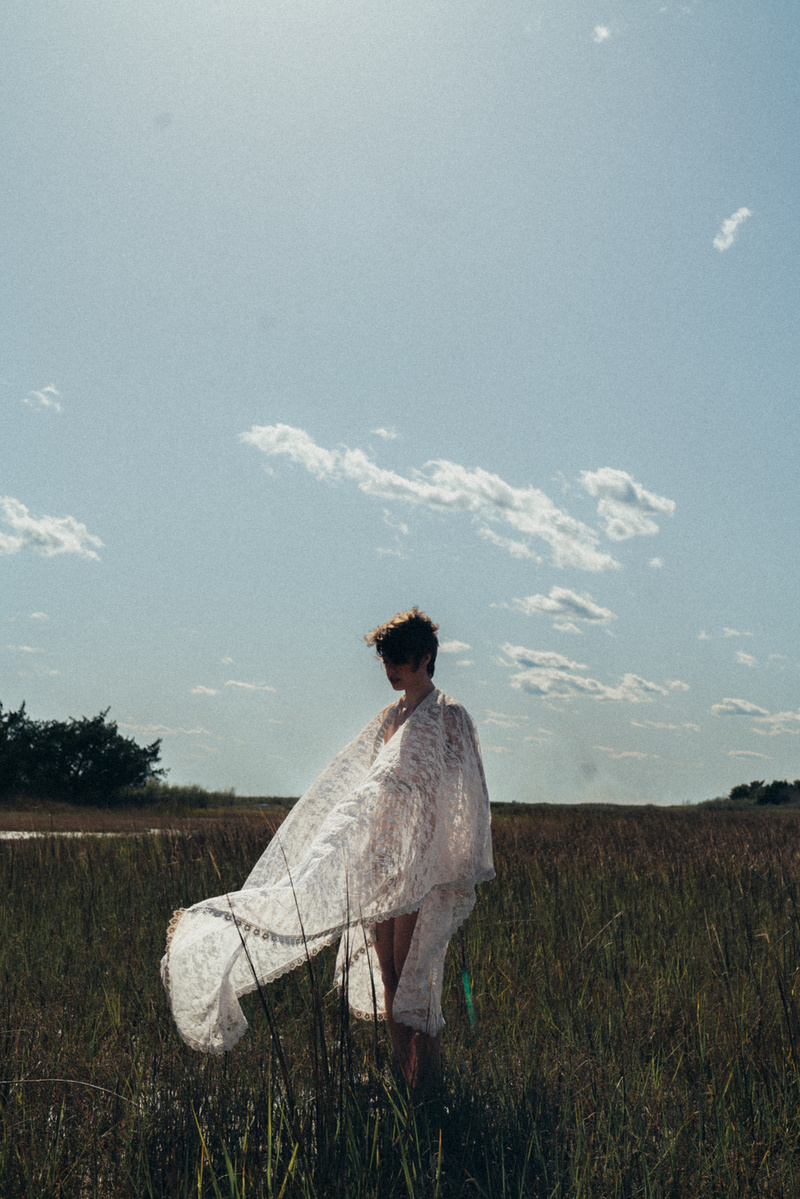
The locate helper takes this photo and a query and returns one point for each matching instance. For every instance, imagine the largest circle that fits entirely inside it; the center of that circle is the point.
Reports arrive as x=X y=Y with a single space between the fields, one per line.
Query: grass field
x=635 y=974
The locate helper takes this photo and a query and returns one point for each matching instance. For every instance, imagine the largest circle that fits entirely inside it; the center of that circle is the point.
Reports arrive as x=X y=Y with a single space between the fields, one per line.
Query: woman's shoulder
x=451 y=709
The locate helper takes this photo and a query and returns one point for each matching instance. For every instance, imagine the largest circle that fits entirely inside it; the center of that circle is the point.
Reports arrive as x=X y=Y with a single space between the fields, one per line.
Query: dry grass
x=635 y=975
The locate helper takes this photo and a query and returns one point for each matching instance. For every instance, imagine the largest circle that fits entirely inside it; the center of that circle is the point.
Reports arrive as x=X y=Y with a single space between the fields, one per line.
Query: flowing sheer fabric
x=385 y=829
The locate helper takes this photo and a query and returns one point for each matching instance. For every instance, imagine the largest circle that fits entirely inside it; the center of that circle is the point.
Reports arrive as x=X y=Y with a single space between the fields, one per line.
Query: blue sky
x=314 y=311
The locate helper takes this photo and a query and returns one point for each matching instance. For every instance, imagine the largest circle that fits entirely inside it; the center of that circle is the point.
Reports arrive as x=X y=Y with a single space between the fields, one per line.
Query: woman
x=383 y=851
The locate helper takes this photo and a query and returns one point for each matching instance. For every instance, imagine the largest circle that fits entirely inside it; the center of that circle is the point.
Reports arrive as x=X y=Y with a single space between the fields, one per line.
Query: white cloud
x=496 y=749
x=201 y=690
x=249 y=686
x=677 y=685
x=662 y=725
x=656 y=563
x=568 y=605
x=734 y=633
x=624 y=504
x=746 y=659
x=777 y=723
x=539 y=737
x=540 y=658
x=465 y=662
x=38 y=616
x=163 y=730
x=747 y=753
x=24 y=649
x=552 y=676
x=517 y=549
x=444 y=487
x=453 y=647
x=566 y=626
x=703 y=635
x=389 y=552
x=727 y=234
x=618 y=755
x=386 y=434
x=601 y=33
x=48 y=397
x=502 y=720
x=47 y=535
x=226 y=661
x=738 y=707
x=40 y=671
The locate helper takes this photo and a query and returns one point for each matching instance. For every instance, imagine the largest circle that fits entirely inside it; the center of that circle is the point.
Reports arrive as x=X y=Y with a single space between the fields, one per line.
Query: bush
x=189 y=797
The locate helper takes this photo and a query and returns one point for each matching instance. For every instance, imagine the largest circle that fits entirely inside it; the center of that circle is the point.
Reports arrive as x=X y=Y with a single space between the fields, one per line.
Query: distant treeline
x=86 y=761
x=758 y=792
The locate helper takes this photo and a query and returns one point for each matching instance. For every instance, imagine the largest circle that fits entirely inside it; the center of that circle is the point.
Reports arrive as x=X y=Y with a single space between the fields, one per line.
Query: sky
x=313 y=311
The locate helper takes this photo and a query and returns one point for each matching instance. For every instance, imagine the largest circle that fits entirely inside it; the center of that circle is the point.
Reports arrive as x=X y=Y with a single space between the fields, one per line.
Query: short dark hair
x=407 y=637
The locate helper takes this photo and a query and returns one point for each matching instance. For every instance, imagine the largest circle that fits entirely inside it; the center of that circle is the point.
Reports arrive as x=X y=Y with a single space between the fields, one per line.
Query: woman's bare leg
x=415 y=1051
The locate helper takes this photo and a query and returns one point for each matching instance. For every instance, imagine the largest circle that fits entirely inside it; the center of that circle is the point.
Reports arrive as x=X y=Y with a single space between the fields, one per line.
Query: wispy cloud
x=730 y=227
x=677 y=685
x=765 y=723
x=38 y=616
x=517 y=549
x=165 y=730
x=399 y=526
x=24 y=649
x=46 y=535
x=601 y=33
x=249 y=686
x=775 y=724
x=452 y=646
x=619 y=755
x=565 y=606
x=663 y=726
x=201 y=690
x=48 y=397
x=746 y=659
x=553 y=676
x=502 y=720
x=496 y=749
x=656 y=563
x=703 y=635
x=39 y=671
x=747 y=753
x=624 y=505
x=737 y=707
x=734 y=633
x=386 y=434
x=444 y=487
x=536 y=659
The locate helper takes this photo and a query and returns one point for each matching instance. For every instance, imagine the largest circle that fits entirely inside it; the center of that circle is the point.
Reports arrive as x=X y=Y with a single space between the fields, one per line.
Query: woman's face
x=402 y=675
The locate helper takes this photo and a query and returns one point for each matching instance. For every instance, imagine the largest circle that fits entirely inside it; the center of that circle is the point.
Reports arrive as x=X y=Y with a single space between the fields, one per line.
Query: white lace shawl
x=385 y=829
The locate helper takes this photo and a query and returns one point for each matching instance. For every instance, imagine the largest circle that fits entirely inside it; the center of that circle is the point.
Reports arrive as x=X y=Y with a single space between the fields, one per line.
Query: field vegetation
x=635 y=982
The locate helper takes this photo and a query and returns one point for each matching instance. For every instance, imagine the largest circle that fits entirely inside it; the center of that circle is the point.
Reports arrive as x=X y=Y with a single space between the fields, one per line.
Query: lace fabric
x=385 y=829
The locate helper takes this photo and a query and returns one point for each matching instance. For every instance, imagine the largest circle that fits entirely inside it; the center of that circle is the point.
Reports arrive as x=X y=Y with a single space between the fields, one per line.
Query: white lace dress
x=385 y=829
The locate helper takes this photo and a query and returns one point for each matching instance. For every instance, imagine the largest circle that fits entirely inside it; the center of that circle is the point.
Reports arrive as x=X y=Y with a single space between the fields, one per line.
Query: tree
x=86 y=760
x=779 y=791
x=746 y=790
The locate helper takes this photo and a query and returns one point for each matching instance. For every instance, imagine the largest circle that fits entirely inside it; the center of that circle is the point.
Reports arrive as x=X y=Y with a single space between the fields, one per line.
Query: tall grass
x=635 y=981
